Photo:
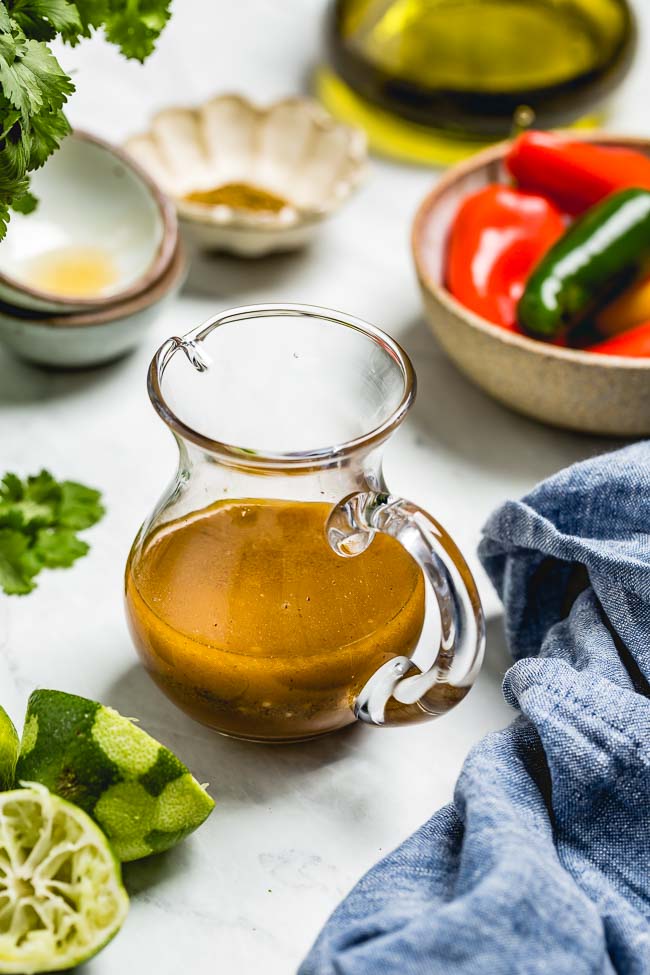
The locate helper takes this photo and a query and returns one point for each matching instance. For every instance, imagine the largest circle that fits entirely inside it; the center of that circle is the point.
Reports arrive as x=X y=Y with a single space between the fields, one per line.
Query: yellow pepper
x=629 y=309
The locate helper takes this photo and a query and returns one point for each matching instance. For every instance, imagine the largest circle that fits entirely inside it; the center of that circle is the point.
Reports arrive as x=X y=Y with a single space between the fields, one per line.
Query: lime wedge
x=61 y=894
x=9 y=744
x=140 y=794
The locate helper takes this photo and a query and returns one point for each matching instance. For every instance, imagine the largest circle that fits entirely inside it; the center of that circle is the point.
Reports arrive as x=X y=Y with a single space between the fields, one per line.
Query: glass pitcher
x=279 y=591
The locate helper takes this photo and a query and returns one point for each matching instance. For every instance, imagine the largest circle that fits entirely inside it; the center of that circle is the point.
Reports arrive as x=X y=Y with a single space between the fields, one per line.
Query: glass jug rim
x=244 y=456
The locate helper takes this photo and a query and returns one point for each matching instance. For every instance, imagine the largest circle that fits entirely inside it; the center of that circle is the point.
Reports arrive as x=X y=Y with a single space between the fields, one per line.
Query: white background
x=296 y=826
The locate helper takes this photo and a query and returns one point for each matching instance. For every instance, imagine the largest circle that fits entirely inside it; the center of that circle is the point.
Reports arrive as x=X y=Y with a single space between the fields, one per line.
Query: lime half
x=61 y=894
x=141 y=795
x=9 y=744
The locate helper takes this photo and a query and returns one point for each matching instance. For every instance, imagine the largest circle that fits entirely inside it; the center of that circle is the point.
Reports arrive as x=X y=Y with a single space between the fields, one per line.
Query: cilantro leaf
x=11 y=488
x=26 y=514
x=46 y=131
x=35 y=80
x=27 y=505
x=135 y=25
x=33 y=86
x=44 y=19
x=11 y=517
x=31 y=77
x=17 y=566
x=58 y=548
x=43 y=489
x=93 y=13
x=39 y=521
x=80 y=506
x=25 y=203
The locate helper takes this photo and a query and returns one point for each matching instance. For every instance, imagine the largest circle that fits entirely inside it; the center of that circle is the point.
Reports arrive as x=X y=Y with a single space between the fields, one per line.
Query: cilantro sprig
x=34 y=87
x=39 y=521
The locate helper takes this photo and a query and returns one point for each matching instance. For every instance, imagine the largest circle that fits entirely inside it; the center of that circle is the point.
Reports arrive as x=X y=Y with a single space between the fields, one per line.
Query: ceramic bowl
x=292 y=148
x=564 y=387
x=90 y=338
x=92 y=200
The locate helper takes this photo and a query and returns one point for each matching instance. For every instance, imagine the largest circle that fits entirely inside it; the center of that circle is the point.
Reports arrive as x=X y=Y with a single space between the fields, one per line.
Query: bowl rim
x=164 y=283
x=238 y=219
x=444 y=297
x=158 y=266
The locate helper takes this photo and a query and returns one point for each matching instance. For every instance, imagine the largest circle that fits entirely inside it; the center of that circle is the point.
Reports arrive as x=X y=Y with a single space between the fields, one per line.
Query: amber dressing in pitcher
x=253 y=625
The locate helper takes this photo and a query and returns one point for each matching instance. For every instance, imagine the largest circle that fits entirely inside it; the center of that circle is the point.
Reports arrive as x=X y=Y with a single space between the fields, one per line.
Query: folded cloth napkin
x=541 y=865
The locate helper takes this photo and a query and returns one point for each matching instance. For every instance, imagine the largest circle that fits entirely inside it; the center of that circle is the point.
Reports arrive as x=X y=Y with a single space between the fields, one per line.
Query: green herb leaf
x=17 y=565
x=58 y=548
x=93 y=13
x=11 y=488
x=80 y=506
x=5 y=20
x=44 y=19
x=35 y=501
x=25 y=203
x=33 y=86
x=39 y=521
x=43 y=489
x=135 y=25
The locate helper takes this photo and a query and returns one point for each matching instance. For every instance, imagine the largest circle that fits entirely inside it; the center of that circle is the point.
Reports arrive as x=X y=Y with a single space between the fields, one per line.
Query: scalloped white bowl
x=292 y=148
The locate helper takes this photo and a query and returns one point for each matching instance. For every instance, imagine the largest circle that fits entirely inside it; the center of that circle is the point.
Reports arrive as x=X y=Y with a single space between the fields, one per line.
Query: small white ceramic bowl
x=292 y=148
x=91 y=198
x=90 y=338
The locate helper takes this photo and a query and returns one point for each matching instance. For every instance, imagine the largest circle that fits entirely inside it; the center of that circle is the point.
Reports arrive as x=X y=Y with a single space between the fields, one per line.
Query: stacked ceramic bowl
x=85 y=274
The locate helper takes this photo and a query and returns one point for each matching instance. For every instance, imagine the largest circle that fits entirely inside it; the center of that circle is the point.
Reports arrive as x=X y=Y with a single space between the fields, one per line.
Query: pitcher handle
x=400 y=691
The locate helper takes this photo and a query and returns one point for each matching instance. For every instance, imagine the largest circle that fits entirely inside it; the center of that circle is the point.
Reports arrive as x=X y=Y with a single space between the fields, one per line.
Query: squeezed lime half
x=61 y=893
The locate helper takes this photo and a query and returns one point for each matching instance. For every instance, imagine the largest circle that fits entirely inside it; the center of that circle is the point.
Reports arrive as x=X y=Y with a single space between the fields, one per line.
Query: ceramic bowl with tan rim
x=102 y=232
x=250 y=179
x=564 y=387
x=90 y=338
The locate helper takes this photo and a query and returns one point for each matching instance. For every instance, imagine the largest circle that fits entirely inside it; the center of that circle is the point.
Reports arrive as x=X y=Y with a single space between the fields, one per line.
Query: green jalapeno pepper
x=597 y=257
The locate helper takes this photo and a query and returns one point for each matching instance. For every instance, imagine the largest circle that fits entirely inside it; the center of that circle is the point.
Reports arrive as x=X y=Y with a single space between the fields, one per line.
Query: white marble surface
x=295 y=826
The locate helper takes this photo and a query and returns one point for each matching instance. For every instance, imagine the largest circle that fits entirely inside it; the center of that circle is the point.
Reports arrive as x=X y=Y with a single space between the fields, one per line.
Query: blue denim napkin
x=541 y=865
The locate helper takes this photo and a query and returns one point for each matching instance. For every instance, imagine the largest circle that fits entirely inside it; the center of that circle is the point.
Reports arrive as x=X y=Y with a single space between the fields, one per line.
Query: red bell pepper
x=575 y=175
x=498 y=236
x=634 y=343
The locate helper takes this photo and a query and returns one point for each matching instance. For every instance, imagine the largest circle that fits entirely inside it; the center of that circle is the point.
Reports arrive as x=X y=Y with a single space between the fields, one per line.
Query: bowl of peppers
x=534 y=262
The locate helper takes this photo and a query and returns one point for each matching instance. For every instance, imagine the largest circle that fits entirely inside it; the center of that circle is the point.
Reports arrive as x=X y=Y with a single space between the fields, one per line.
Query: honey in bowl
x=250 y=622
x=72 y=272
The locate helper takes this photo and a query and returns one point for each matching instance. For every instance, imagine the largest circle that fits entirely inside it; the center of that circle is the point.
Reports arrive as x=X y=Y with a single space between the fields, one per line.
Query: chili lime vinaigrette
x=277 y=591
x=250 y=621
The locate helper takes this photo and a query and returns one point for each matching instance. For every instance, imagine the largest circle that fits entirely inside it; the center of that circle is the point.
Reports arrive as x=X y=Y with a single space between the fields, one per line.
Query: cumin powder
x=240 y=196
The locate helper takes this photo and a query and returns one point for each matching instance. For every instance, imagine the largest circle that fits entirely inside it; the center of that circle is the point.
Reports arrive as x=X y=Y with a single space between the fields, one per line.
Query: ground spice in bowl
x=239 y=196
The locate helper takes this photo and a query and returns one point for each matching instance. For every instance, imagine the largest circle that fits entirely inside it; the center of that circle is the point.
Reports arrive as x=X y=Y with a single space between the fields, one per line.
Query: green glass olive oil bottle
x=464 y=68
